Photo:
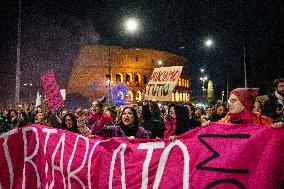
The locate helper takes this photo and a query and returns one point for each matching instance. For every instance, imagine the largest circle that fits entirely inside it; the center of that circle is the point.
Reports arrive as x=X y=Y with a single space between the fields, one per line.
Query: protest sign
x=52 y=90
x=162 y=82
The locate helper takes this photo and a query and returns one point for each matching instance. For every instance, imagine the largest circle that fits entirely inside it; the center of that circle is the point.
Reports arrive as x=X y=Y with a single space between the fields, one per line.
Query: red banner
x=220 y=156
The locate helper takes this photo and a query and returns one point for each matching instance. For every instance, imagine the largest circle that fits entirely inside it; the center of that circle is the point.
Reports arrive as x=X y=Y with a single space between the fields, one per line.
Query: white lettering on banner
x=121 y=147
x=163 y=160
x=72 y=173
x=29 y=158
x=48 y=131
x=90 y=162
x=150 y=146
x=7 y=156
x=54 y=167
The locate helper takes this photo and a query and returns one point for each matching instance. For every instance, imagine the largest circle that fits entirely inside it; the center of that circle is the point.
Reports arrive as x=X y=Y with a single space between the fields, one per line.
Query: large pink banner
x=220 y=156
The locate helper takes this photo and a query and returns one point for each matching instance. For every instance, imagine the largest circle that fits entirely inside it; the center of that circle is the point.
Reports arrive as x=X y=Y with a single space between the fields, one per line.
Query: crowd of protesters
x=151 y=119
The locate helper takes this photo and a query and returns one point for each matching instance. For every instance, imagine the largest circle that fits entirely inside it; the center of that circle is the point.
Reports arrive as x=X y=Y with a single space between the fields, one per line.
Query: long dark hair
x=23 y=119
x=182 y=118
x=129 y=131
x=74 y=127
x=156 y=112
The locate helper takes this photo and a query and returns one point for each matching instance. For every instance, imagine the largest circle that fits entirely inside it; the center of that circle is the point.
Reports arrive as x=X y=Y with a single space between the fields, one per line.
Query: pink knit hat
x=246 y=96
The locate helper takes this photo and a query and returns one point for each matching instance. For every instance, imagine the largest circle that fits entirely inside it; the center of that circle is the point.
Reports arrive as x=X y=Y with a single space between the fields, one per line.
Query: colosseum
x=99 y=69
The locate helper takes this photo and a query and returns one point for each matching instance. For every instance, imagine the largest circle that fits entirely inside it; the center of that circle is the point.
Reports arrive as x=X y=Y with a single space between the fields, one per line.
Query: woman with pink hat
x=240 y=106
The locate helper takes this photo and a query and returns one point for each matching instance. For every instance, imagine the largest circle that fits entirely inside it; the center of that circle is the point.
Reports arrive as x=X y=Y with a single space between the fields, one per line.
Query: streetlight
x=30 y=94
x=208 y=42
x=131 y=25
x=160 y=62
x=203 y=79
x=18 y=64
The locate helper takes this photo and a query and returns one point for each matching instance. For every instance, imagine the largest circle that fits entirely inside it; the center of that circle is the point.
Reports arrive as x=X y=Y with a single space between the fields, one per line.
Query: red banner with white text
x=219 y=156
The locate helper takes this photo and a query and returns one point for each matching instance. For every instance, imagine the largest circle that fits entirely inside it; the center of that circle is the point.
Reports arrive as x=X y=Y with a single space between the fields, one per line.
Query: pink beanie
x=246 y=96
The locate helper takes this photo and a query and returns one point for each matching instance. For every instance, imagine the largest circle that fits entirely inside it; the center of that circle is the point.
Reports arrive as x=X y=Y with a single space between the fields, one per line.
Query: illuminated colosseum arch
x=137 y=78
x=138 y=96
x=179 y=82
x=128 y=78
x=145 y=79
x=130 y=95
x=177 y=96
x=118 y=78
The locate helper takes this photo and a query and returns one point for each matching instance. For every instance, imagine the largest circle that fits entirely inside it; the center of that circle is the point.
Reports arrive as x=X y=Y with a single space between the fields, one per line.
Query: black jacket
x=270 y=108
x=154 y=127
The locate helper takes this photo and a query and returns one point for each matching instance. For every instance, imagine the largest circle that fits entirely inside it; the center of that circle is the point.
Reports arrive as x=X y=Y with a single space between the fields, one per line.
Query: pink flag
x=221 y=156
x=52 y=90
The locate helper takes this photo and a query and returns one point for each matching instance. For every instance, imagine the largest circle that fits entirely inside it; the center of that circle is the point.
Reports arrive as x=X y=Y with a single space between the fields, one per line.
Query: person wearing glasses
x=240 y=109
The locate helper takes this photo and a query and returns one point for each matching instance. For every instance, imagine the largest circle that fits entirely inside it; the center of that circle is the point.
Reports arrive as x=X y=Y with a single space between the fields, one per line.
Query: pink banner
x=52 y=90
x=220 y=156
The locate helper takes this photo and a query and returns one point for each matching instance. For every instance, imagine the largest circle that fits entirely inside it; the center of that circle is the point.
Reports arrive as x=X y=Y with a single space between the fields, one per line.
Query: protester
x=128 y=126
x=219 y=113
x=274 y=106
x=257 y=107
x=199 y=113
x=39 y=118
x=4 y=125
x=69 y=123
x=153 y=119
x=193 y=121
x=241 y=103
x=12 y=117
x=96 y=112
x=47 y=119
x=110 y=111
x=177 y=121
x=208 y=113
x=23 y=119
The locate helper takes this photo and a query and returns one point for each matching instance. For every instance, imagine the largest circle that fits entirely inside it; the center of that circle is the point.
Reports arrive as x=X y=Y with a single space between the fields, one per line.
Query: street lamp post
x=245 y=66
x=203 y=79
x=18 y=64
x=109 y=79
x=30 y=94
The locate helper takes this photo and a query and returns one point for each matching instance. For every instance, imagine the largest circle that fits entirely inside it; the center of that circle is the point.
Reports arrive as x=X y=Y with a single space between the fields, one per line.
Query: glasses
x=232 y=101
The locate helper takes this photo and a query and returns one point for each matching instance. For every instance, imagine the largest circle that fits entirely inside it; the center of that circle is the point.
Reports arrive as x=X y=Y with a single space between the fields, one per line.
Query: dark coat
x=154 y=127
x=270 y=108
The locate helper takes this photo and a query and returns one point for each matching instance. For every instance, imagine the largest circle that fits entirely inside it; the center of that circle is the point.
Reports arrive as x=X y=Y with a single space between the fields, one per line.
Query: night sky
x=53 y=31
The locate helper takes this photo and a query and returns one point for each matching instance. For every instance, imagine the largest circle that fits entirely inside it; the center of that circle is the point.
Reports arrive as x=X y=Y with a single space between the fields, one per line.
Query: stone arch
x=130 y=94
x=139 y=96
x=119 y=78
x=128 y=78
x=145 y=79
x=137 y=78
